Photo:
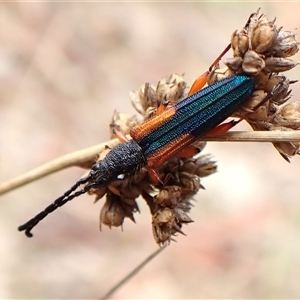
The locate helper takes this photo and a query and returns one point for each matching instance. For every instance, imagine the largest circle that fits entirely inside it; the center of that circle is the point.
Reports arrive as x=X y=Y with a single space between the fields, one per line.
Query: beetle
x=167 y=133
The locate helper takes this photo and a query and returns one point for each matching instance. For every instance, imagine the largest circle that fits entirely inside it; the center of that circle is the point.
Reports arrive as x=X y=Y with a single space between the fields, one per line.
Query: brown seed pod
x=182 y=216
x=164 y=225
x=234 y=63
x=112 y=212
x=100 y=192
x=279 y=64
x=169 y=196
x=273 y=80
x=239 y=43
x=122 y=122
x=116 y=209
x=285 y=44
x=190 y=184
x=263 y=35
x=219 y=74
x=253 y=63
x=147 y=96
x=125 y=188
x=281 y=92
x=287 y=149
x=171 y=89
x=289 y=116
x=248 y=108
x=262 y=79
x=205 y=166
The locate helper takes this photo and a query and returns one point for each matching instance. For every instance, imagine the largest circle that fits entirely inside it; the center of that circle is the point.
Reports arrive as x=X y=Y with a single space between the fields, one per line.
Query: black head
x=123 y=161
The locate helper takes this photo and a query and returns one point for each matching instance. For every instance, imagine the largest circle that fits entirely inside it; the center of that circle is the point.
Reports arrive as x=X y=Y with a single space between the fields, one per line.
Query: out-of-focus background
x=64 y=68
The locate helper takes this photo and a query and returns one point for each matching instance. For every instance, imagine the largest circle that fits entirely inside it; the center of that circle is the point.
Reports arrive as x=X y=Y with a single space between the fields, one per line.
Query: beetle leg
x=122 y=138
x=154 y=176
x=202 y=80
x=199 y=83
x=188 y=152
x=162 y=108
x=222 y=128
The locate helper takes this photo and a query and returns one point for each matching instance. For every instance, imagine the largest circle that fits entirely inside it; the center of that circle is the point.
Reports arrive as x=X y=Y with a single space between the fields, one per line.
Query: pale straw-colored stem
x=80 y=158
x=255 y=136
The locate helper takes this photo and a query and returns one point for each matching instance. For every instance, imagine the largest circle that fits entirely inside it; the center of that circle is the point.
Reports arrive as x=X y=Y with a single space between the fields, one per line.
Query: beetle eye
x=96 y=166
x=121 y=176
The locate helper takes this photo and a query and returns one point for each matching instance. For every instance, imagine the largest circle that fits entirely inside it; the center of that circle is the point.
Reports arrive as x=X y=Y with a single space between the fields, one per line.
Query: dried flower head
x=169 y=204
x=260 y=50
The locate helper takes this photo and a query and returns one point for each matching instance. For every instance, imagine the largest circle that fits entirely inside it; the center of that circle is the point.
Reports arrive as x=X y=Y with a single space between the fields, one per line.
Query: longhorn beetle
x=169 y=132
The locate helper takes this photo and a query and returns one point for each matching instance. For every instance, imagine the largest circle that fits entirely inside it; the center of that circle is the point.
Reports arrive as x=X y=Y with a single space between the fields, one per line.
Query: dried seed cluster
x=261 y=50
x=170 y=204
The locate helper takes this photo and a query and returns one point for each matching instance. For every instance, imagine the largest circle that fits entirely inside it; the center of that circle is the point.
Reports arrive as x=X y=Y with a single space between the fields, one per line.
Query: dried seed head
x=148 y=98
x=260 y=50
x=116 y=209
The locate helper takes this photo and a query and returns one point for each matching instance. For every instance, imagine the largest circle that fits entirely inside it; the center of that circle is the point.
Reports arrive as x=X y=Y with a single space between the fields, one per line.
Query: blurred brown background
x=64 y=68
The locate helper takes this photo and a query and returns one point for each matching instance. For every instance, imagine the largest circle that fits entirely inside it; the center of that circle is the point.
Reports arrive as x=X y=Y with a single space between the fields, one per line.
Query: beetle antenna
x=27 y=227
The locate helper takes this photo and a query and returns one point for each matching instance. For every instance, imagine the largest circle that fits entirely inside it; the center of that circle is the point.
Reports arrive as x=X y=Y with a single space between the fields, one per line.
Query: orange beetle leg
x=222 y=128
x=122 y=138
x=162 y=108
x=188 y=152
x=202 y=80
x=154 y=176
x=199 y=83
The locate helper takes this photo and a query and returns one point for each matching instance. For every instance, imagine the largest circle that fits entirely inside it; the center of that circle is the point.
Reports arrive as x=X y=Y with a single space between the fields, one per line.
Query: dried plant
x=260 y=50
x=170 y=203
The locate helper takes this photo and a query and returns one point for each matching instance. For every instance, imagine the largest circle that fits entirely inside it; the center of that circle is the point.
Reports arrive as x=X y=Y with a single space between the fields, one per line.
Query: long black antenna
x=27 y=227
